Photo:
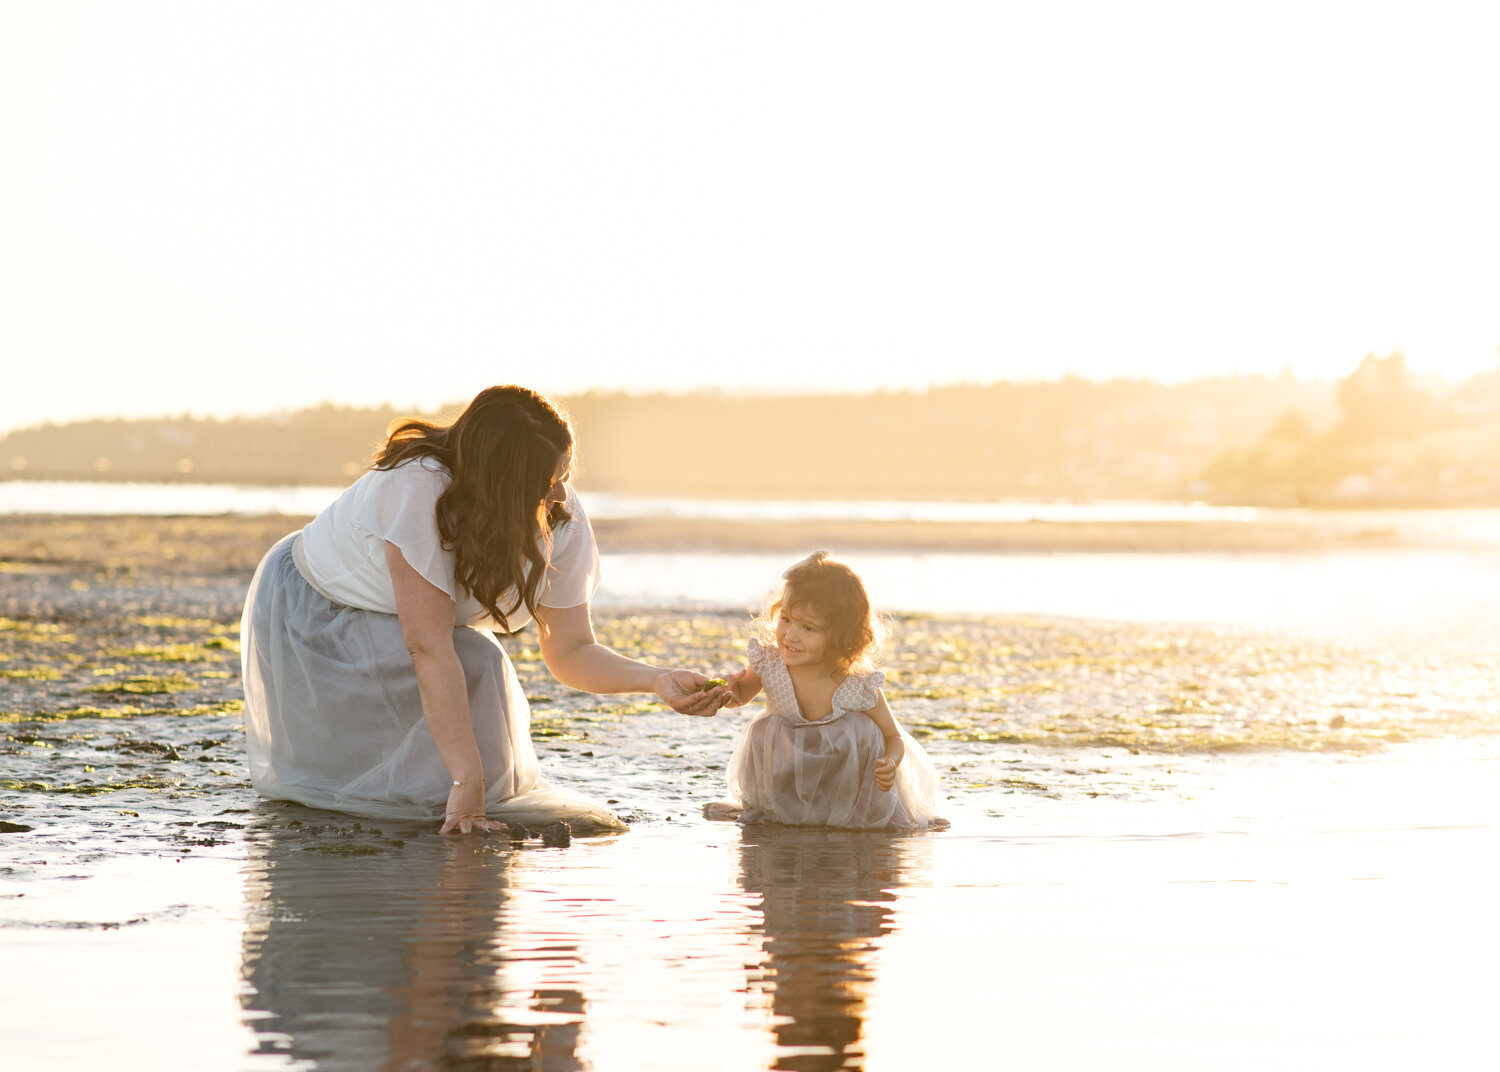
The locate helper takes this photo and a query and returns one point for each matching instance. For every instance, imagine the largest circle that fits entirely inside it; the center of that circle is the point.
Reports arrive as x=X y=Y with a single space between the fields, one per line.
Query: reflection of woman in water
x=825 y=899
x=367 y=954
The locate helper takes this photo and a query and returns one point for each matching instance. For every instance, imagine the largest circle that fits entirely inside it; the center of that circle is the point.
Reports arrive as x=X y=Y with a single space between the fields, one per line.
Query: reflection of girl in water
x=826 y=900
x=826 y=751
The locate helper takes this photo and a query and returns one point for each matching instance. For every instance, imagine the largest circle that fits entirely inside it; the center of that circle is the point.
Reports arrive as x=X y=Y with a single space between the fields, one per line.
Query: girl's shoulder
x=859 y=691
x=757 y=652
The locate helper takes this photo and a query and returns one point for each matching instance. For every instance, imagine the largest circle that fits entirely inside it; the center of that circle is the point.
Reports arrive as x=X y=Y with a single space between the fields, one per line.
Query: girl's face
x=802 y=638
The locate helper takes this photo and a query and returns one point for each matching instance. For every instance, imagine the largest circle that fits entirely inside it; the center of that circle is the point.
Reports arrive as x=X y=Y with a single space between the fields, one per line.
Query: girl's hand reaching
x=738 y=690
x=741 y=687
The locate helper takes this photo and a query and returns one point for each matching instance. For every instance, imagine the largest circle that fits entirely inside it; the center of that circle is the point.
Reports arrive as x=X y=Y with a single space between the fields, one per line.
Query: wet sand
x=1172 y=847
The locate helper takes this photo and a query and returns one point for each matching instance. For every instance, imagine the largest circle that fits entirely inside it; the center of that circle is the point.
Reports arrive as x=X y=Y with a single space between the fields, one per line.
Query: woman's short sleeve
x=574 y=573
x=400 y=506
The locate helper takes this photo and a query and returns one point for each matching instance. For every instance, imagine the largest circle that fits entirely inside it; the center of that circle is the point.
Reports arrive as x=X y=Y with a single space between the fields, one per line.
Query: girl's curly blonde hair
x=835 y=594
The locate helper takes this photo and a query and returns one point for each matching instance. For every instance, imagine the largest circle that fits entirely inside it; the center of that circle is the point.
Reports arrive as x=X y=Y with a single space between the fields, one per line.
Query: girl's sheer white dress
x=821 y=772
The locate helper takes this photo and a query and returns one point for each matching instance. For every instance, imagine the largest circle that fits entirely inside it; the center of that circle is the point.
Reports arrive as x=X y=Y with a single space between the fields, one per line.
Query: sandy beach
x=1173 y=846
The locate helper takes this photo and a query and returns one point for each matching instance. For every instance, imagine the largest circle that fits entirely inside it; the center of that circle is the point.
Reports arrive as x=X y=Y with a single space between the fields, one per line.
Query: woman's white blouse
x=343 y=548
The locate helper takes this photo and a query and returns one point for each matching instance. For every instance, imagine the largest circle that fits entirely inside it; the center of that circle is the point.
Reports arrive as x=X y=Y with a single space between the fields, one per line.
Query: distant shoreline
x=230 y=546
x=333 y=482
x=1331 y=506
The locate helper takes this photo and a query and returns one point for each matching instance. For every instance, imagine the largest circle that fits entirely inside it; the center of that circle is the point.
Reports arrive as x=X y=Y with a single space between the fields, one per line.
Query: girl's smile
x=803 y=639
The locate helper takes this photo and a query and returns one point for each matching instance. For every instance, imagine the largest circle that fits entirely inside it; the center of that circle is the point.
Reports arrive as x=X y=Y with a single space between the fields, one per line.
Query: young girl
x=826 y=751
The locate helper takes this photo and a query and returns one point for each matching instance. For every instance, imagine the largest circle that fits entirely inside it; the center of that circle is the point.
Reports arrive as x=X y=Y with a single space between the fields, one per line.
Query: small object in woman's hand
x=712 y=683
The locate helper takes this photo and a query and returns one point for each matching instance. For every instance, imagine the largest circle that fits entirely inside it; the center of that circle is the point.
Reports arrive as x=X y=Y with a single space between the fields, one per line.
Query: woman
x=373 y=684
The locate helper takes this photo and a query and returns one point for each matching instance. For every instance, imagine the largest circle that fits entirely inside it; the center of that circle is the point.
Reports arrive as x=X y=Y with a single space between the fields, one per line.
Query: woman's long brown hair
x=502 y=453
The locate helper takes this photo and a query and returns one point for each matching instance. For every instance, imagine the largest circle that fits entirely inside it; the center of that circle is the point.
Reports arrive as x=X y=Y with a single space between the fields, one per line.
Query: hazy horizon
x=450 y=405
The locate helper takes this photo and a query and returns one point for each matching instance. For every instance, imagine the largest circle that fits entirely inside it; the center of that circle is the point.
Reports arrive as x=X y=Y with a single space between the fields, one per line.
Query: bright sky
x=241 y=206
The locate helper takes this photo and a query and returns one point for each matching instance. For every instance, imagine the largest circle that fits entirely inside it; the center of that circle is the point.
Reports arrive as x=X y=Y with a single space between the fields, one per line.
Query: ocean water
x=1357 y=593
x=105 y=497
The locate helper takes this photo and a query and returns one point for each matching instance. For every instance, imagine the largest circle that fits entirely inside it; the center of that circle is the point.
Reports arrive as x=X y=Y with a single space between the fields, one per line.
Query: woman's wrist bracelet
x=457 y=783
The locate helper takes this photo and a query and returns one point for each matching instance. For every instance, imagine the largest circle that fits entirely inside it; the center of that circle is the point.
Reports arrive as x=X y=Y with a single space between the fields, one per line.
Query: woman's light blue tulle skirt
x=333 y=718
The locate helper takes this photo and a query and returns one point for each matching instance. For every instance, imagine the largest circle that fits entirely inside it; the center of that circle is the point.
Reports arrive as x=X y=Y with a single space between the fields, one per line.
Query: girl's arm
x=743 y=686
x=895 y=749
x=426 y=616
x=577 y=659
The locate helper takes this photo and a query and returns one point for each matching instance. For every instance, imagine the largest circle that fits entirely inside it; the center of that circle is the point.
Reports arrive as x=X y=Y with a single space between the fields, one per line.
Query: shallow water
x=1088 y=908
x=109 y=497
x=1277 y=911
x=1326 y=593
x=143 y=498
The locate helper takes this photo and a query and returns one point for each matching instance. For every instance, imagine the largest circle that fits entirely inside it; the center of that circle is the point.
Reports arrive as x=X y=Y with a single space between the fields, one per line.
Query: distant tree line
x=326 y=444
x=1226 y=438
x=1071 y=438
x=1398 y=440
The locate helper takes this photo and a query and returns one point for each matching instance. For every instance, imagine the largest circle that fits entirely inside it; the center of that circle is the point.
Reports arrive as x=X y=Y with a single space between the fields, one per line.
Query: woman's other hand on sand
x=683 y=691
x=465 y=811
x=471 y=824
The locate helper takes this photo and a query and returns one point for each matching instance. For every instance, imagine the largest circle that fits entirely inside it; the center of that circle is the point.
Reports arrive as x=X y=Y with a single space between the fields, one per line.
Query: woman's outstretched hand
x=465 y=812
x=679 y=689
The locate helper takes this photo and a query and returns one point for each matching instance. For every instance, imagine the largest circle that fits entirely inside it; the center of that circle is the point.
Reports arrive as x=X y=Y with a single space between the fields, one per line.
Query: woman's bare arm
x=427 y=622
x=576 y=658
